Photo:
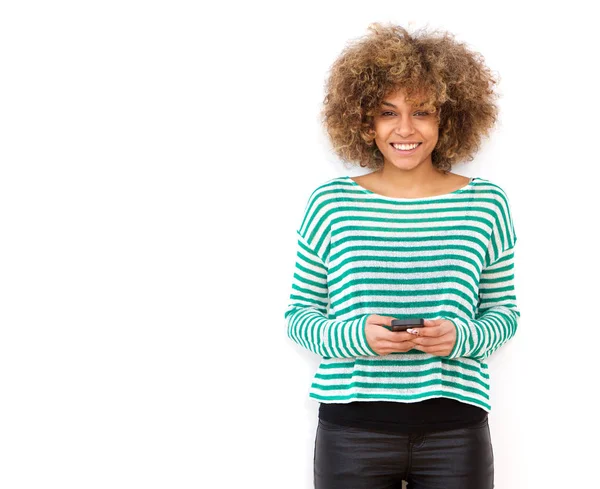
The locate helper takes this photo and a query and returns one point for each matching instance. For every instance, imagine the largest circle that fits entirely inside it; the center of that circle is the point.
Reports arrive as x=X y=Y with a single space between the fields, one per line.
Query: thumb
x=433 y=322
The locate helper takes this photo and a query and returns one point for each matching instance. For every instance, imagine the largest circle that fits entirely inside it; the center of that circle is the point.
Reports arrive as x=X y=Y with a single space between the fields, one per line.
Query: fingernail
x=412 y=331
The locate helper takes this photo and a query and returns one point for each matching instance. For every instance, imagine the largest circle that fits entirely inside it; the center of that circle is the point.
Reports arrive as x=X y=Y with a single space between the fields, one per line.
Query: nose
x=404 y=127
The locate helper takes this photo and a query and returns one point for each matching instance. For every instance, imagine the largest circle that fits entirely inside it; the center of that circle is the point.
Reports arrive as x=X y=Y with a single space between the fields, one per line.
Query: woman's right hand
x=382 y=340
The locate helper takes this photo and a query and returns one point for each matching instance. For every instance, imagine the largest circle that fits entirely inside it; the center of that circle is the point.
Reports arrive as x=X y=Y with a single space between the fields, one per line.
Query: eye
x=424 y=113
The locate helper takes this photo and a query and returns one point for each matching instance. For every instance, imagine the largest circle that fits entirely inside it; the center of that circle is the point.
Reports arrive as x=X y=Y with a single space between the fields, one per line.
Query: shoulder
x=327 y=191
x=495 y=197
x=492 y=193
x=332 y=184
x=485 y=186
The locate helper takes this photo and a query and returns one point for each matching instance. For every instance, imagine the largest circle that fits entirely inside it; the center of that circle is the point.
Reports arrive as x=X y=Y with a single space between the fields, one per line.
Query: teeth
x=405 y=147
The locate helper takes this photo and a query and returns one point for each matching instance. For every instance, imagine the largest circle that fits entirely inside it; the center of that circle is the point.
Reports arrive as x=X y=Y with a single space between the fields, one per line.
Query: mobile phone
x=404 y=324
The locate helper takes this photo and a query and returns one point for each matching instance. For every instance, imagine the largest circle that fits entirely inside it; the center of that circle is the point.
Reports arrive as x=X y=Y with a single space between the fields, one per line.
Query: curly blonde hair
x=433 y=69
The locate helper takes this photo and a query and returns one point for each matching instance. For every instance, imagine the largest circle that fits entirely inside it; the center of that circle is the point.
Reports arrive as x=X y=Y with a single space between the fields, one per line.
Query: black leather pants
x=353 y=458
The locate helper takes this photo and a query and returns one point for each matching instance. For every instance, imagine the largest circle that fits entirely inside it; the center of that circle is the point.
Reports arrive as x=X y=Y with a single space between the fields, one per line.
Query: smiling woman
x=405 y=131
x=408 y=241
x=438 y=74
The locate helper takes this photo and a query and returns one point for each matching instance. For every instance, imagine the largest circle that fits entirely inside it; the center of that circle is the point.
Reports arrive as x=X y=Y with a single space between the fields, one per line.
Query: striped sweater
x=361 y=253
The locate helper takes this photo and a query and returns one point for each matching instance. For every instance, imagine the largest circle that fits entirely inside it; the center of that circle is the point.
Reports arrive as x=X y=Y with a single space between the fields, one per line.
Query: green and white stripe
x=360 y=253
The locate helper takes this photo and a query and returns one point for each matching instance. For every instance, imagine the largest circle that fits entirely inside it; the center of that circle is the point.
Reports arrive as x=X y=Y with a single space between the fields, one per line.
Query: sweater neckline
x=409 y=199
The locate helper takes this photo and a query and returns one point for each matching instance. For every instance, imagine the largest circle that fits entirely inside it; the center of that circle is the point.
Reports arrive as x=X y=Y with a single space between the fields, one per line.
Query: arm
x=497 y=314
x=306 y=319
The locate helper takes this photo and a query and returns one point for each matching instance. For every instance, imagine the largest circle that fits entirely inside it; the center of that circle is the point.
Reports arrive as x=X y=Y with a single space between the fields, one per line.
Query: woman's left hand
x=437 y=337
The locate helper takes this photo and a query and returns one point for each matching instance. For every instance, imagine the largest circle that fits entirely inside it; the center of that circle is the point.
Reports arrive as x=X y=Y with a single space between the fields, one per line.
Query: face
x=398 y=122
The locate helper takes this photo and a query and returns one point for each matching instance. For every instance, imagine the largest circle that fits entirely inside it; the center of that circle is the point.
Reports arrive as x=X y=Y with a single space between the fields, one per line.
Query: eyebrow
x=392 y=105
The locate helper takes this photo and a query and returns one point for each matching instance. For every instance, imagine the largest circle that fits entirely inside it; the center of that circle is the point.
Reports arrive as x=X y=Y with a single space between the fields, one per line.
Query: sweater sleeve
x=306 y=314
x=497 y=314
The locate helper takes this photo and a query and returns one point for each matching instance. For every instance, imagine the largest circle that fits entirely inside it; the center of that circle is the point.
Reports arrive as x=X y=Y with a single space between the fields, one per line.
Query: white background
x=156 y=158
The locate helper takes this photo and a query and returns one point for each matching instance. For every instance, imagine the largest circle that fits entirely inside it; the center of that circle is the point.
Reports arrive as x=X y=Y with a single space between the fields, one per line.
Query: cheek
x=378 y=129
x=380 y=136
x=431 y=132
x=382 y=132
x=382 y=145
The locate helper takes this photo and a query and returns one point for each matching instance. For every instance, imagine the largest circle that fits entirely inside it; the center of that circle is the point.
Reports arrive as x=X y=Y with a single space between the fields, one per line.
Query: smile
x=405 y=149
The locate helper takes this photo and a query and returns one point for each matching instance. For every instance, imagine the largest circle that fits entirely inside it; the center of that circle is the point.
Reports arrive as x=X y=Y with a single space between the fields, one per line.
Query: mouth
x=405 y=149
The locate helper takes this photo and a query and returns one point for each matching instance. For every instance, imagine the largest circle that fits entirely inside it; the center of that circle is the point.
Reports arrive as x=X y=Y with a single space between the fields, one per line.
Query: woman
x=408 y=240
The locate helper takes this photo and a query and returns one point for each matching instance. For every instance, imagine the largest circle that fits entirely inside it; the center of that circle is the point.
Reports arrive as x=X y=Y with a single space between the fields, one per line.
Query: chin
x=405 y=165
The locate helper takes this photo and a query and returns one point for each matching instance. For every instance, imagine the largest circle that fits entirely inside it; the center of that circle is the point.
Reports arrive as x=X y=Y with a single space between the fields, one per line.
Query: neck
x=416 y=180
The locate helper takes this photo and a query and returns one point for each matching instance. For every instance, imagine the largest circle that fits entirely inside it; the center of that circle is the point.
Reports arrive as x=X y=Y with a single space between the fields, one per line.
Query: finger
x=430 y=350
x=427 y=341
x=396 y=336
x=432 y=322
x=393 y=346
x=431 y=331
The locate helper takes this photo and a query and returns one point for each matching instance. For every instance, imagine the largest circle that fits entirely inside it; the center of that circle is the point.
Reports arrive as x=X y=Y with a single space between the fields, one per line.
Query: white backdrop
x=156 y=158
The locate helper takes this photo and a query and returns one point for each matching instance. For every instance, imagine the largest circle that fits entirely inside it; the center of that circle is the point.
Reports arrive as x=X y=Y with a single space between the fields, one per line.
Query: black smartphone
x=404 y=324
